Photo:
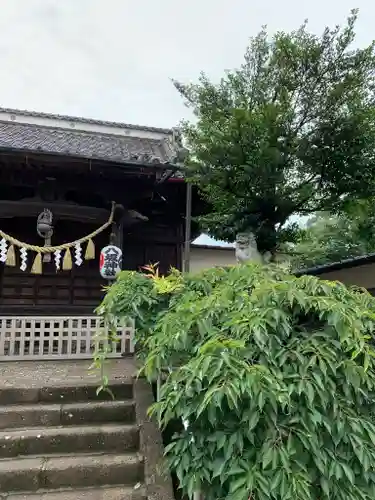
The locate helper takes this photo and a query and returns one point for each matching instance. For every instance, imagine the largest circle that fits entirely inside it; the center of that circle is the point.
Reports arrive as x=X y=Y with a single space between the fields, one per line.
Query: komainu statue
x=247 y=249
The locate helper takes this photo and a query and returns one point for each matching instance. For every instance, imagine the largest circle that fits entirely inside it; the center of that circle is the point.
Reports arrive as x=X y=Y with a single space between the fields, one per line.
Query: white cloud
x=114 y=60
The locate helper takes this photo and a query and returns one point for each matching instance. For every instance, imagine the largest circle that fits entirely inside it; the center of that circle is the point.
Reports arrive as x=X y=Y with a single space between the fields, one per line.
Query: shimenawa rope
x=67 y=264
x=64 y=246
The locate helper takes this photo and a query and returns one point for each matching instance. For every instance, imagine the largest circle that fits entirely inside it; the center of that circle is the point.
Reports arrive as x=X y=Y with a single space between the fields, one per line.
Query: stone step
x=71 y=439
x=46 y=415
x=103 y=493
x=79 y=471
x=65 y=393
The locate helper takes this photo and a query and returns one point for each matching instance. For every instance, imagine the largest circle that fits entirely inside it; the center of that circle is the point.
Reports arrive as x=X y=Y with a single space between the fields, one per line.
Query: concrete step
x=65 y=393
x=104 y=493
x=79 y=471
x=71 y=439
x=46 y=415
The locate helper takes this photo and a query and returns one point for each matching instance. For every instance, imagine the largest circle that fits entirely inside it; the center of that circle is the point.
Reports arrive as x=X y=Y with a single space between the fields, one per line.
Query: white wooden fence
x=58 y=337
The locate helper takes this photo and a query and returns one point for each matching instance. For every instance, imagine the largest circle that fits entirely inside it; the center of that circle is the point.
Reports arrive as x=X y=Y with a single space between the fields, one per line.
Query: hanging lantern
x=44 y=228
x=110 y=262
x=44 y=224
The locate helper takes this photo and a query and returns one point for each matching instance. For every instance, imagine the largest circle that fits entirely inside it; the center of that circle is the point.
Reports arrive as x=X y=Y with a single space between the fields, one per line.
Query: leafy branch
x=290 y=132
x=273 y=375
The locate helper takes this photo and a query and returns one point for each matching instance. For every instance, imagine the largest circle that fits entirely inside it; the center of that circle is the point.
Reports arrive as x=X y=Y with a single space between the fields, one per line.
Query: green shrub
x=274 y=374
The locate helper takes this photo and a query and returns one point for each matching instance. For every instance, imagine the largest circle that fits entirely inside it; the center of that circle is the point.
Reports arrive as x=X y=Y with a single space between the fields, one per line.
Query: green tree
x=274 y=375
x=290 y=132
x=330 y=238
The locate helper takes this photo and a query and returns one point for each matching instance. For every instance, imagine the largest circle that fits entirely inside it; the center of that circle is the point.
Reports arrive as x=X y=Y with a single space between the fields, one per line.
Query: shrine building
x=69 y=187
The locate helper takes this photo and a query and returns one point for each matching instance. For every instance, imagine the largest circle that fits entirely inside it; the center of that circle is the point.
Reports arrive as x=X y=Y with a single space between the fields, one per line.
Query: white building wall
x=362 y=276
x=204 y=258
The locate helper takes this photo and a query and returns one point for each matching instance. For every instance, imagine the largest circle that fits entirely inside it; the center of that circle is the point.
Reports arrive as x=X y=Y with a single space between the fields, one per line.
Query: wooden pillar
x=189 y=195
x=117 y=229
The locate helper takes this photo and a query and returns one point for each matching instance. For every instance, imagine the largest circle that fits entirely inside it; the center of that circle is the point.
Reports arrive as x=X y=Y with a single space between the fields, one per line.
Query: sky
x=114 y=59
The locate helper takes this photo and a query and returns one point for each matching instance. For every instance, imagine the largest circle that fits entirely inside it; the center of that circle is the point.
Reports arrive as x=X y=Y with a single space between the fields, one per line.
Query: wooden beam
x=66 y=211
x=10 y=209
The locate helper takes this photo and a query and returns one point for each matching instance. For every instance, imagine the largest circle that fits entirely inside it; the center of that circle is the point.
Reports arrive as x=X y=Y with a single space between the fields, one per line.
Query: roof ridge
x=77 y=119
x=79 y=131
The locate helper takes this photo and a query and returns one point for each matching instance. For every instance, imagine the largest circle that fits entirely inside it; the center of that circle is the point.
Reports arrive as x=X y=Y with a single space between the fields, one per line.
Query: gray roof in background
x=338 y=266
x=86 y=144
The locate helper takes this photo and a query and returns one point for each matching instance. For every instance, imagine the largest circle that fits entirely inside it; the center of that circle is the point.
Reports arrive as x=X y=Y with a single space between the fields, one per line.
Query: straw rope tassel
x=90 y=250
x=37 y=264
x=11 y=257
x=67 y=261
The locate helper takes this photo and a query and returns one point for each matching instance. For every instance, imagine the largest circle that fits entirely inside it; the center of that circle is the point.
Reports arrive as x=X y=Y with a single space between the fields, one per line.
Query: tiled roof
x=338 y=266
x=76 y=119
x=92 y=145
x=86 y=138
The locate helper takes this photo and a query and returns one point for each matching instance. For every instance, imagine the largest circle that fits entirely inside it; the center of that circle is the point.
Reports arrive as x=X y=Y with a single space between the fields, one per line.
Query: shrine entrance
x=47 y=287
x=59 y=179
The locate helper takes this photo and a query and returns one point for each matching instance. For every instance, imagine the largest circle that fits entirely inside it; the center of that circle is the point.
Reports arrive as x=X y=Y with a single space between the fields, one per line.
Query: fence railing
x=58 y=337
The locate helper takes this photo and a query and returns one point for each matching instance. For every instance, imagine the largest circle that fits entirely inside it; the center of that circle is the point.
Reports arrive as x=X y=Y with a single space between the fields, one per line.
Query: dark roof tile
x=91 y=145
x=338 y=266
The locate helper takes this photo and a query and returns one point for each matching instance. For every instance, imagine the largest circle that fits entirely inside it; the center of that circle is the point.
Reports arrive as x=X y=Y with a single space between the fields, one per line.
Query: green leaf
x=238 y=483
x=276 y=479
x=218 y=467
x=348 y=472
x=260 y=401
x=267 y=457
x=235 y=470
x=253 y=420
x=318 y=379
x=285 y=459
x=325 y=486
x=310 y=392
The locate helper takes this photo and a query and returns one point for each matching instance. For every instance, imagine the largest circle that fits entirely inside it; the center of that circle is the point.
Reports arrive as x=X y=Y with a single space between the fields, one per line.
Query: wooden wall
x=79 y=291
x=57 y=179
x=152 y=243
